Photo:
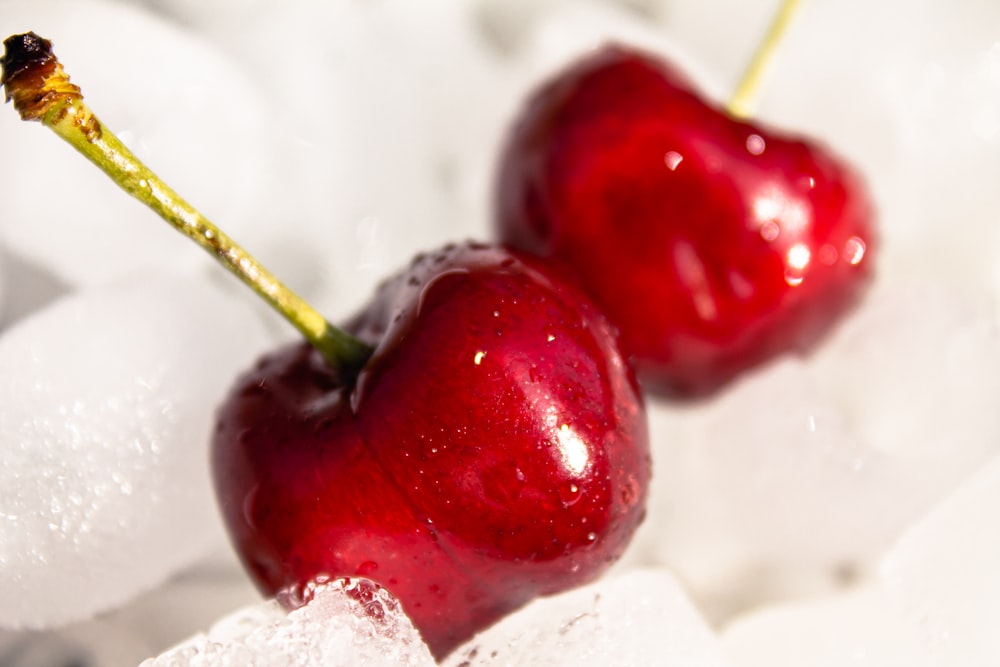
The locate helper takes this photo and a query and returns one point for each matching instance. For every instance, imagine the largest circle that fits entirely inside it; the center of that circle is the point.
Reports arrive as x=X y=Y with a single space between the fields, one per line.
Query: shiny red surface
x=493 y=449
x=713 y=244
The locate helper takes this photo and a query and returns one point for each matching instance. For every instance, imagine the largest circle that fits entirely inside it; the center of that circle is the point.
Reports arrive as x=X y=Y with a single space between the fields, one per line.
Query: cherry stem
x=744 y=101
x=35 y=81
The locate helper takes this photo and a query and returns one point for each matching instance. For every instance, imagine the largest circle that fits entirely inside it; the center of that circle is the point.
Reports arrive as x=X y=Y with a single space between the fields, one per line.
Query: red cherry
x=714 y=244
x=474 y=440
x=493 y=448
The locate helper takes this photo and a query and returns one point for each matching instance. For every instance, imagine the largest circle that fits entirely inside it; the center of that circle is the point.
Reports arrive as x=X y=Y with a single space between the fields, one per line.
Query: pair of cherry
x=480 y=438
x=494 y=447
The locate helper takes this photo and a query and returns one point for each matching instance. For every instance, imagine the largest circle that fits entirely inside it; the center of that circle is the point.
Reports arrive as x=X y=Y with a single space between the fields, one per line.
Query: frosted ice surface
x=639 y=618
x=944 y=575
x=855 y=629
x=348 y=623
x=107 y=401
x=178 y=103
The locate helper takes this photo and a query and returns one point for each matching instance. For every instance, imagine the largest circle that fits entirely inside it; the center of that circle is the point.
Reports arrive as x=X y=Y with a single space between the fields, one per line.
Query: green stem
x=744 y=101
x=41 y=91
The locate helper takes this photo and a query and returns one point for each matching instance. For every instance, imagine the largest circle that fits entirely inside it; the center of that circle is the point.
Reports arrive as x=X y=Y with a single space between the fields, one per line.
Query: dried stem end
x=34 y=79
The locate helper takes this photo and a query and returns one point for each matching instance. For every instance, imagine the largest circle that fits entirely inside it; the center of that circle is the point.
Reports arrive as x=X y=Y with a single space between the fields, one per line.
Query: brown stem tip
x=33 y=77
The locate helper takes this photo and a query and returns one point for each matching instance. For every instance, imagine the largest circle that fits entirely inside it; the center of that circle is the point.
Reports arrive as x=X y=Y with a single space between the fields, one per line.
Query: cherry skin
x=713 y=244
x=493 y=448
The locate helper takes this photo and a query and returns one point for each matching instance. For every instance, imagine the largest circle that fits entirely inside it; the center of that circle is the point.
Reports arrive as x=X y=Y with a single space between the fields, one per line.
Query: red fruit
x=493 y=448
x=712 y=243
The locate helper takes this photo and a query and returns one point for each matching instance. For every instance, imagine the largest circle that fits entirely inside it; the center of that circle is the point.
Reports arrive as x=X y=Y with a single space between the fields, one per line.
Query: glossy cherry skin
x=713 y=244
x=493 y=449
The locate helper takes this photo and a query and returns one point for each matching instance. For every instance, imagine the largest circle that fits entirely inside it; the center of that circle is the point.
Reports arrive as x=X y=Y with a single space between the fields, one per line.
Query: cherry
x=493 y=449
x=472 y=439
x=712 y=243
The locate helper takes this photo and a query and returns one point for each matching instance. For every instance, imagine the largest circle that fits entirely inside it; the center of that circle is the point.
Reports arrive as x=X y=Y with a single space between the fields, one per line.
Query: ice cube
x=763 y=493
x=106 y=408
x=640 y=618
x=917 y=373
x=348 y=622
x=806 y=470
x=944 y=575
x=859 y=628
x=775 y=437
x=176 y=101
